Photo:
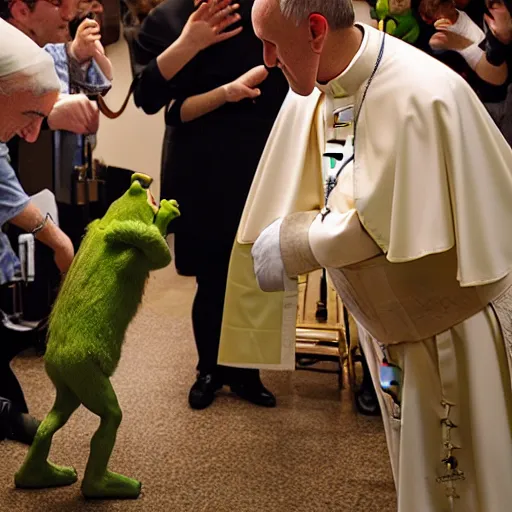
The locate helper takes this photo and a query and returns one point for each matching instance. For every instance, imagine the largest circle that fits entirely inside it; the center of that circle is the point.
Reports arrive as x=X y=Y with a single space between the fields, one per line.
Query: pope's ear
x=318 y=29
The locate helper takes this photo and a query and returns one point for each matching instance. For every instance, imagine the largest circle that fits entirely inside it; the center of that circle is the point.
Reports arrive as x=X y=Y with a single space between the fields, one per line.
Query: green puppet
x=99 y=297
x=396 y=18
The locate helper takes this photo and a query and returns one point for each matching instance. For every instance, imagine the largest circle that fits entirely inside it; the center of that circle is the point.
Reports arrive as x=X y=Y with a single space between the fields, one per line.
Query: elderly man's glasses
x=32 y=3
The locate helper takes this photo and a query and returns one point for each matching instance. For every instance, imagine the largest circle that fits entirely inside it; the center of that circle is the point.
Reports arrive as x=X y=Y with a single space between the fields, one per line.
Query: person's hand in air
x=500 y=22
x=207 y=25
x=84 y=46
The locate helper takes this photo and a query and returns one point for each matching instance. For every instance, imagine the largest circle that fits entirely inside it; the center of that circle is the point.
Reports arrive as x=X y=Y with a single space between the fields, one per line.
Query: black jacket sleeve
x=160 y=29
x=496 y=52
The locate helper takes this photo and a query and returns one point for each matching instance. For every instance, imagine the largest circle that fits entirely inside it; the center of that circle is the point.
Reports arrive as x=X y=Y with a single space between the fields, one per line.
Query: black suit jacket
x=208 y=164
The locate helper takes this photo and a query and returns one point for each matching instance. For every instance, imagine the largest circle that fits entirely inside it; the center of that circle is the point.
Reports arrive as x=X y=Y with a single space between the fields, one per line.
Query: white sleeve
x=339 y=239
x=310 y=241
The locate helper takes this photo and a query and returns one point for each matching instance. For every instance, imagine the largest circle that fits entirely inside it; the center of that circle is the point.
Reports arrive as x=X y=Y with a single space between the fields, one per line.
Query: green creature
x=397 y=19
x=98 y=299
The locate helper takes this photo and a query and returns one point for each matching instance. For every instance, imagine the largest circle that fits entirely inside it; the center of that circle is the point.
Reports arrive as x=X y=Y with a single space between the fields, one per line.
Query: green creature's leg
x=96 y=393
x=37 y=472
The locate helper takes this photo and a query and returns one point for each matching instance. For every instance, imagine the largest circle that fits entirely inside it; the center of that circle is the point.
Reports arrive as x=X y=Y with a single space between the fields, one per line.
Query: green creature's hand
x=167 y=212
x=147 y=239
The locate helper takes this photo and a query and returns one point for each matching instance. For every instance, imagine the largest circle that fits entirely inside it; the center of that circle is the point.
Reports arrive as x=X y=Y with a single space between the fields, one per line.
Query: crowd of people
x=412 y=228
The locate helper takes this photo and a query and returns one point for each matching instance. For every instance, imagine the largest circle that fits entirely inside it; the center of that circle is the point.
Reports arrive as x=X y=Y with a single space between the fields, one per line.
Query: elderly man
x=28 y=90
x=414 y=229
x=45 y=22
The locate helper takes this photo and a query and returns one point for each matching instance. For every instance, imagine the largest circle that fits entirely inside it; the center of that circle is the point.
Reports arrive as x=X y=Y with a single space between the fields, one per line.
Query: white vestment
x=417 y=242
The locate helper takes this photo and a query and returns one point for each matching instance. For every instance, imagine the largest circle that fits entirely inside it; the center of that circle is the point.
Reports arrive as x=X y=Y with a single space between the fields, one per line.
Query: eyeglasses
x=31 y=3
x=55 y=3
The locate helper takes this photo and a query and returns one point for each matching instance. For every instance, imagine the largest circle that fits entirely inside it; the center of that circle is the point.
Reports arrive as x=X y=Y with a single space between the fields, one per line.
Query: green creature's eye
x=143 y=179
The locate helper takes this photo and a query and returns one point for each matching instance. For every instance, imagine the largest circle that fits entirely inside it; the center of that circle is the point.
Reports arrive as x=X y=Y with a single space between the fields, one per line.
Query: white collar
x=360 y=67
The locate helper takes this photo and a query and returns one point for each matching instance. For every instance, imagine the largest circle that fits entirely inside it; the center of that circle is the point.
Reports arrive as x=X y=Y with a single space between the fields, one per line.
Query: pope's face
x=286 y=45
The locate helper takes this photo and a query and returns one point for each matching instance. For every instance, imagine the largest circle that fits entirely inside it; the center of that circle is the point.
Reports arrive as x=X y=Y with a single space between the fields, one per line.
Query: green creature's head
x=138 y=203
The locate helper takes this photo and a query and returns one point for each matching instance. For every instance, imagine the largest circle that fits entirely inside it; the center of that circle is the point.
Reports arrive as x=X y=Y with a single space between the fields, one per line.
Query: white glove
x=74 y=113
x=268 y=262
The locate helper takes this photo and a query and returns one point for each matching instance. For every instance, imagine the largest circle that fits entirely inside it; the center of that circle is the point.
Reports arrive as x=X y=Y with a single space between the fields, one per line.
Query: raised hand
x=500 y=22
x=84 y=46
x=245 y=86
x=206 y=25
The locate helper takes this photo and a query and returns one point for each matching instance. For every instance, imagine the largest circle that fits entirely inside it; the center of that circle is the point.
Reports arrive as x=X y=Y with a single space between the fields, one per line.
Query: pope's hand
x=74 y=113
x=268 y=263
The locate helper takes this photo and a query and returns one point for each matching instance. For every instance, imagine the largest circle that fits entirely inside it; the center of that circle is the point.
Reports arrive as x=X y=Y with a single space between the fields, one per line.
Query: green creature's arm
x=167 y=212
x=147 y=238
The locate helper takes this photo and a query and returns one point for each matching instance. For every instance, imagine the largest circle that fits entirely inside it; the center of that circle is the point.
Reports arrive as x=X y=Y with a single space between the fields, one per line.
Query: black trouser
x=10 y=347
x=207 y=316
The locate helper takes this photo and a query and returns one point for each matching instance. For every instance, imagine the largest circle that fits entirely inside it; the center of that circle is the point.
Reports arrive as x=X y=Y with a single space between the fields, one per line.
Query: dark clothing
x=499 y=99
x=208 y=164
x=9 y=386
x=207 y=315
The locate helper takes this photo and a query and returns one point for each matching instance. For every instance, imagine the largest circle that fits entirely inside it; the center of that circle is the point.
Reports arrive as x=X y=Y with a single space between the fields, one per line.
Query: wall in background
x=134 y=140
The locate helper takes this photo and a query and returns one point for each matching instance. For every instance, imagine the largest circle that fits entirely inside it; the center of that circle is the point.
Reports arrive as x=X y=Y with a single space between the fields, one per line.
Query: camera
x=75 y=23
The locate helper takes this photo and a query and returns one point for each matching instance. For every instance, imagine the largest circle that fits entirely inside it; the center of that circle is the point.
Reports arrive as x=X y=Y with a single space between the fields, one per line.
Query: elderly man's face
x=23 y=113
x=46 y=21
x=286 y=45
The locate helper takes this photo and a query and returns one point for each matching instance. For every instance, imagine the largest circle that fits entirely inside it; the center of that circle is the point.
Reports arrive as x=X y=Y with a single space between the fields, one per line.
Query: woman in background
x=217 y=124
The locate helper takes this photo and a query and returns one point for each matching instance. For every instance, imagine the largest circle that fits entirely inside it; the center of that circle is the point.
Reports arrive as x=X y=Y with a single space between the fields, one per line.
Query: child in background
x=444 y=15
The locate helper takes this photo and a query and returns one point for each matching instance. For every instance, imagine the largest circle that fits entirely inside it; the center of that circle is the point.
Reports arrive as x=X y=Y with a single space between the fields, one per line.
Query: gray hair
x=23 y=65
x=22 y=82
x=338 y=13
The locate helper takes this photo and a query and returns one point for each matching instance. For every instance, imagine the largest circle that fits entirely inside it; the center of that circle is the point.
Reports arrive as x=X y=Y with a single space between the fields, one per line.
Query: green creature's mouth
x=151 y=201
x=145 y=182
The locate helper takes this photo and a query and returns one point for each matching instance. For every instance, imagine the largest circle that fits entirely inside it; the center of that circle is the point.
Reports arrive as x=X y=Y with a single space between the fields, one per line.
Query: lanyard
x=343 y=154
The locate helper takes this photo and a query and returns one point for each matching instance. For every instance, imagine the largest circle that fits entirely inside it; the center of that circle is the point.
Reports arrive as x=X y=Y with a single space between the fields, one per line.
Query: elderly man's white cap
x=19 y=54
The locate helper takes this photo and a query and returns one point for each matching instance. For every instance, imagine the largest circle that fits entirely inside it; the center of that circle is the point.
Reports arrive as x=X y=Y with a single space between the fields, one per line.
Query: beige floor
x=311 y=454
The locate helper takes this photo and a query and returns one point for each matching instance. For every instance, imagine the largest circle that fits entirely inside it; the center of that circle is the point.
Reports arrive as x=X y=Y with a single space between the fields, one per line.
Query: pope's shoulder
x=416 y=76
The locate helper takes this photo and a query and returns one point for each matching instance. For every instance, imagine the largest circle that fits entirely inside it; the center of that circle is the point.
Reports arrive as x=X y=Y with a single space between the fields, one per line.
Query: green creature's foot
x=112 y=486
x=48 y=475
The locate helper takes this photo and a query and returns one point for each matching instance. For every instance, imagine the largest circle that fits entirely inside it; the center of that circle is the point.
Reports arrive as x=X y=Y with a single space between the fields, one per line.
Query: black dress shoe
x=202 y=393
x=254 y=392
